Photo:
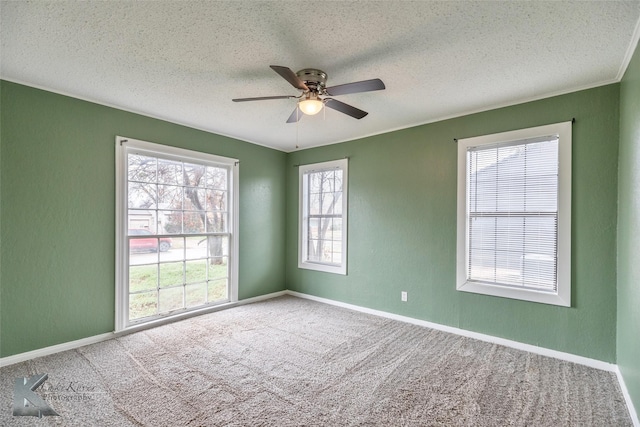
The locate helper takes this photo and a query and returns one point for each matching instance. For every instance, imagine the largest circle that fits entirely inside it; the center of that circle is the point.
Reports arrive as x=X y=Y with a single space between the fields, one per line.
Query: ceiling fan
x=315 y=94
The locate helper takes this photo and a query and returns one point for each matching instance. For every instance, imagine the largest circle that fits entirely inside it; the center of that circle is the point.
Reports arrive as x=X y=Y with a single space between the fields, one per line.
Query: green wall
x=58 y=234
x=402 y=227
x=628 y=342
x=58 y=216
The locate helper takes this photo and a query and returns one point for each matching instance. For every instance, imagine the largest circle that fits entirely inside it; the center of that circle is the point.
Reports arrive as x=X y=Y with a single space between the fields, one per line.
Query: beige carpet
x=294 y=362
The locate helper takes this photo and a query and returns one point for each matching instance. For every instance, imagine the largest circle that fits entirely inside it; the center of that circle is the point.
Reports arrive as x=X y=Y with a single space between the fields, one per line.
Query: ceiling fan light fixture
x=313 y=84
x=311 y=104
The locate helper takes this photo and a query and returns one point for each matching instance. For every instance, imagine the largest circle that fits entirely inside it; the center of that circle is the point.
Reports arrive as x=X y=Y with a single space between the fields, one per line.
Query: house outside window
x=322 y=242
x=514 y=214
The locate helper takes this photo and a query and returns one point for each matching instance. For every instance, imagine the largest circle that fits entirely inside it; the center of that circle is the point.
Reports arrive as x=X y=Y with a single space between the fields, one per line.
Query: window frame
x=303 y=262
x=562 y=296
x=123 y=147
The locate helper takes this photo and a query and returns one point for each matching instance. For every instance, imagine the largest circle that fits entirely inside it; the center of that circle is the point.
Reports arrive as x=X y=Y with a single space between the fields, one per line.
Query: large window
x=514 y=214
x=177 y=231
x=323 y=217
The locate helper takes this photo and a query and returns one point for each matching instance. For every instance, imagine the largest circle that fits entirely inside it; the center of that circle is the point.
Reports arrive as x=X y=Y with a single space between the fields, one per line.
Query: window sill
x=514 y=293
x=323 y=267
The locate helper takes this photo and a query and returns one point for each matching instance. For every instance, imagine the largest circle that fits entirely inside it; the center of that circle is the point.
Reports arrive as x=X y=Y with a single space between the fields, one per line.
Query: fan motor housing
x=315 y=79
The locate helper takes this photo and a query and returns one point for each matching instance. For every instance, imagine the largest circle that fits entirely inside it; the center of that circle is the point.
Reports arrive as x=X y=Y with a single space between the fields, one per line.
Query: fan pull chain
x=297 y=124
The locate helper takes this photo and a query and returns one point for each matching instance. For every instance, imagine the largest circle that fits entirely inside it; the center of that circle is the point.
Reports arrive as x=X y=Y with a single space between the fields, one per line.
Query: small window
x=323 y=217
x=514 y=214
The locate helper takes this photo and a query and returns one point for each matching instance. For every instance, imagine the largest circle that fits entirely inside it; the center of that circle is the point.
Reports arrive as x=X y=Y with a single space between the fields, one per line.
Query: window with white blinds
x=514 y=211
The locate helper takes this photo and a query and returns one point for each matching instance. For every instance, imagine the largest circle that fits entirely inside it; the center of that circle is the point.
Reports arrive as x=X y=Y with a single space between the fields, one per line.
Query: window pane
x=223 y=245
x=339 y=174
x=329 y=201
x=195 y=199
x=194 y=175
x=326 y=255
x=336 y=251
x=169 y=172
x=140 y=244
x=315 y=182
x=482 y=265
x=217 y=290
x=325 y=232
x=142 y=168
x=327 y=181
x=142 y=195
x=196 y=294
x=313 y=228
x=314 y=204
x=193 y=222
x=314 y=250
x=171 y=274
x=218 y=268
x=481 y=232
x=142 y=258
x=171 y=299
x=196 y=247
x=337 y=207
x=169 y=197
x=337 y=231
x=143 y=277
x=215 y=246
x=217 y=178
x=172 y=222
x=216 y=222
x=143 y=305
x=216 y=200
x=196 y=271
x=175 y=252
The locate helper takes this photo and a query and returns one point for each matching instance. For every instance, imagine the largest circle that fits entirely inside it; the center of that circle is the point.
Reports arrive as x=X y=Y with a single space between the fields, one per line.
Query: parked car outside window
x=147 y=244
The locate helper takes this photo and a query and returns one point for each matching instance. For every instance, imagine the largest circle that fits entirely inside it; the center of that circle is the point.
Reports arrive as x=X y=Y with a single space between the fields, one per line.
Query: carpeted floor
x=294 y=362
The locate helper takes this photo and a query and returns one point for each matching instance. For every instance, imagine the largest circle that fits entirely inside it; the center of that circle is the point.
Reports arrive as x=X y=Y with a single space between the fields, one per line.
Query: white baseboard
x=627 y=398
x=21 y=357
x=593 y=363
x=262 y=297
x=70 y=345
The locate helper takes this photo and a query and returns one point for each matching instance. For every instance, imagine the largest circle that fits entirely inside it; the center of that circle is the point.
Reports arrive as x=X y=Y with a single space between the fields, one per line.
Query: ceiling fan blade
x=345 y=108
x=295 y=116
x=262 y=98
x=363 y=86
x=289 y=76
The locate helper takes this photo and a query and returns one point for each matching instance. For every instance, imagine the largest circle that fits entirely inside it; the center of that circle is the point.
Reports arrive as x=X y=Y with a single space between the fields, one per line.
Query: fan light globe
x=311 y=105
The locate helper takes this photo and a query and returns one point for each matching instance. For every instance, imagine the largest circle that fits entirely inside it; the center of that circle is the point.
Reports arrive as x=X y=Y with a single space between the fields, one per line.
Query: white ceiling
x=184 y=61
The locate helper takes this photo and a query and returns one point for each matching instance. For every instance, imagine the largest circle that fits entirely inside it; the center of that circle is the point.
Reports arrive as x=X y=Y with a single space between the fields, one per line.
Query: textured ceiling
x=184 y=61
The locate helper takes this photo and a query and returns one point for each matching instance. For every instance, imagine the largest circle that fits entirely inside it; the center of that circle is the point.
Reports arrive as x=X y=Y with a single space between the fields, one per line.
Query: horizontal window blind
x=512 y=214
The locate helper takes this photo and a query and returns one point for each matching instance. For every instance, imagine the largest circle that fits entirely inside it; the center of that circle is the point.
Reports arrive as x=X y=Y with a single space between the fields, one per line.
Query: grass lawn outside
x=165 y=287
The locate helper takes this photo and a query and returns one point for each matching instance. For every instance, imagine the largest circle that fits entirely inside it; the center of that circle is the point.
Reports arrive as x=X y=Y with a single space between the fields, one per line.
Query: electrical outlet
x=403 y=296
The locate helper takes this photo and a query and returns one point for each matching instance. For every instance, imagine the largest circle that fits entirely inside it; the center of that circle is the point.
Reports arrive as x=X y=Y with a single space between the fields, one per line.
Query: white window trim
x=342 y=164
x=122 y=250
x=563 y=295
